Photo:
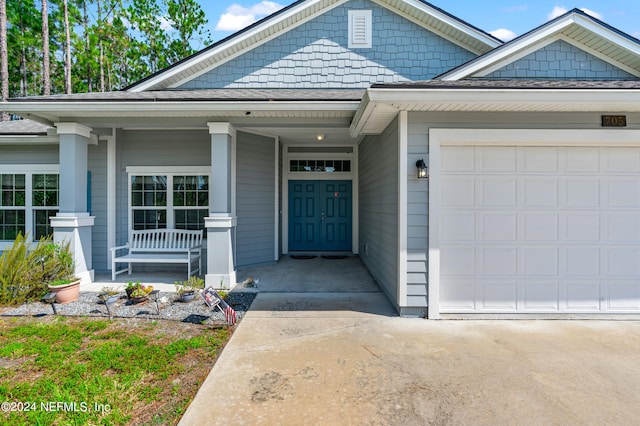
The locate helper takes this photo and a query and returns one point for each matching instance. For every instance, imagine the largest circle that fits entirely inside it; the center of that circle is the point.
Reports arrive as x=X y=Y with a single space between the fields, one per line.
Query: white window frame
x=169 y=172
x=28 y=170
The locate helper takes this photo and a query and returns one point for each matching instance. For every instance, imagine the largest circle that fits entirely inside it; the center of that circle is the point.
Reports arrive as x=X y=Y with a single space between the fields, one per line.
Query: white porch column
x=73 y=223
x=221 y=224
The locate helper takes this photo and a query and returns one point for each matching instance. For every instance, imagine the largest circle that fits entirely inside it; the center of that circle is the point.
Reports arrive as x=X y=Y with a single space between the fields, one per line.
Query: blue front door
x=320 y=215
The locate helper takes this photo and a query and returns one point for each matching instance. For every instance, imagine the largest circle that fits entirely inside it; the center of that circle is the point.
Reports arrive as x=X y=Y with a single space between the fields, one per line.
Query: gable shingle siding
x=561 y=60
x=316 y=55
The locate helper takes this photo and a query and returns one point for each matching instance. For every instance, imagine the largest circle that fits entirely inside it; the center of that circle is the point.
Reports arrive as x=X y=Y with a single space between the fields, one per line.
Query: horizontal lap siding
x=97 y=165
x=255 y=198
x=378 y=210
x=417 y=222
x=21 y=154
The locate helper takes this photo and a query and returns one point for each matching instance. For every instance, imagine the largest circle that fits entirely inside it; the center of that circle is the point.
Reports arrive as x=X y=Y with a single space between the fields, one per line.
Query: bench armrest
x=114 y=249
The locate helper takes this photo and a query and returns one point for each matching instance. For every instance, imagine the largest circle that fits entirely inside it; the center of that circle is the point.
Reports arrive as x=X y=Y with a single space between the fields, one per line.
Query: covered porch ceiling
x=294 y=116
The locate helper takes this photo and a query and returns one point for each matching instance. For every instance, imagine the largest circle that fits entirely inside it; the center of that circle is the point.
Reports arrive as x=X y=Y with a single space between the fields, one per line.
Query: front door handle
x=322 y=216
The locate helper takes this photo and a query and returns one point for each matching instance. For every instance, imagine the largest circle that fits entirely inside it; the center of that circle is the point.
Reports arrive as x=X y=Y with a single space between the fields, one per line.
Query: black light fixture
x=422 y=169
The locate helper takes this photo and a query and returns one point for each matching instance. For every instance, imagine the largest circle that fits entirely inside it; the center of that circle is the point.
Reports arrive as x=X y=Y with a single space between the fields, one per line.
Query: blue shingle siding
x=561 y=60
x=315 y=54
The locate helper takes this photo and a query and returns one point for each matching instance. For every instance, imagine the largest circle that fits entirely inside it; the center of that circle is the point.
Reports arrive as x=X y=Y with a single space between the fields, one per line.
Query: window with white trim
x=176 y=200
x=28 y=198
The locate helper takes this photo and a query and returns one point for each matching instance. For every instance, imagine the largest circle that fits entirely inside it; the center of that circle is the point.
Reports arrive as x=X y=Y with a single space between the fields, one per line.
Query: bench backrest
x=164 y=240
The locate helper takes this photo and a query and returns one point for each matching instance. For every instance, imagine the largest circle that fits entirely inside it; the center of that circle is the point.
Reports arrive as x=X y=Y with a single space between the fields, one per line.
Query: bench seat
x=159 y=246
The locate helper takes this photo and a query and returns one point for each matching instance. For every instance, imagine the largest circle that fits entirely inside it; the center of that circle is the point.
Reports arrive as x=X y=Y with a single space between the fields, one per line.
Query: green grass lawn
x=78 y=371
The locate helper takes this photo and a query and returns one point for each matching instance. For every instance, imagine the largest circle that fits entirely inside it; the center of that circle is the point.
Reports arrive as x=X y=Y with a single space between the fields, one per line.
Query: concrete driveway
x=347 y=359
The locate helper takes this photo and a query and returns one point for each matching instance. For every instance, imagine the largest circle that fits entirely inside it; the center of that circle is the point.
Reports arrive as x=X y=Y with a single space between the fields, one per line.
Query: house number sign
x=614 y=121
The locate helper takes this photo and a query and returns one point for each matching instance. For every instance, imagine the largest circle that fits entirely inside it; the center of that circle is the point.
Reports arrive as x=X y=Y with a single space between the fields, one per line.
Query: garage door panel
x=623 y=295
x=458 y=296
x=621 y=160
x=459 y=226
x=538 y=159
x=458 y=192
x=623 y=192
x=498 y=261
x=622 y=227
x=580 y=193
x=623 y=262
x=457 y=261
x=580 y=261
x=540 y=229
x=579 y=159
x=539 y=261
x=458 y=159
x=539 y=192
x=580 y=227
x=540 y=296
x=497 y=226
x=497 y=192
x=496 y=159
x=582 y=296
x=499 y=295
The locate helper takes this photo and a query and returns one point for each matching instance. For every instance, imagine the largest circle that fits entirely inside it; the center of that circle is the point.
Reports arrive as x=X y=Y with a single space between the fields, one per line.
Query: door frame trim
x=287 y=175
x=499 y=137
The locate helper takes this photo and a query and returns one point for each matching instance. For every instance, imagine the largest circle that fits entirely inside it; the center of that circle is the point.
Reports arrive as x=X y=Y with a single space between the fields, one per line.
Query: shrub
x=25 y=269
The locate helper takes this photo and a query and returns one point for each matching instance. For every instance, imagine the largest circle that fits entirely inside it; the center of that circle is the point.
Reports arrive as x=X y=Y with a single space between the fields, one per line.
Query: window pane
x=11 y=223
x=149 y=219
x=42 y=223
x=45 y=190
x=190 y=219
x=12 y=191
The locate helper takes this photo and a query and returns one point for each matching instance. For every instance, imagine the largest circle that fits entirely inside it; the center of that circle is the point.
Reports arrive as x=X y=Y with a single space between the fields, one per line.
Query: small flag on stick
x=213 y=300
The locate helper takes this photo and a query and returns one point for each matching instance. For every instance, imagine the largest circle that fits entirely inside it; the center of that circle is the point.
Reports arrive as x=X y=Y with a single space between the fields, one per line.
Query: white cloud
x=557 y=11
x=592 y=13
x=237 y=17
x=560 y=10
x=503 y=34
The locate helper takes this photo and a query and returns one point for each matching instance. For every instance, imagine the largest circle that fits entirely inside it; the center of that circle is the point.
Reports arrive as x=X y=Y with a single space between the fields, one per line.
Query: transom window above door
x=175 y=200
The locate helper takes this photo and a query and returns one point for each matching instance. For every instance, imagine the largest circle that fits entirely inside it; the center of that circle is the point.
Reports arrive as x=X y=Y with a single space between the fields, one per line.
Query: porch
x=312 y=274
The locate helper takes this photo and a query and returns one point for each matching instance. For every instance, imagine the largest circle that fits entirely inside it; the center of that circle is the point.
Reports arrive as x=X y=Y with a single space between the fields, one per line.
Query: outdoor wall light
x=320 y=137
x=422 y=169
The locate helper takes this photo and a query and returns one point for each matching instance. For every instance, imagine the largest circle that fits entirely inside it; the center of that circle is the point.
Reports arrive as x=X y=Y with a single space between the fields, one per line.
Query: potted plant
x=131 y=287
x=140 y=293
x=64 y=284
x=187 y=289
x=108 y=295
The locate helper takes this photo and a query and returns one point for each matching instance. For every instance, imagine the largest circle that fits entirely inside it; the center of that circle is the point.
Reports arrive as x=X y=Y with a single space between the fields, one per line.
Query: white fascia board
x=158 y=109
x=498 y=95
x=458 y=25
x=608 y=34
x=234 y=41
x=509 y=49
x=28 y=140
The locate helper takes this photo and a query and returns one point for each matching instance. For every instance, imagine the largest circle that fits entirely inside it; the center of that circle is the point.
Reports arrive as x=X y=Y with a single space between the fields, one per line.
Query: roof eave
x=51 y=111
x=383 y=105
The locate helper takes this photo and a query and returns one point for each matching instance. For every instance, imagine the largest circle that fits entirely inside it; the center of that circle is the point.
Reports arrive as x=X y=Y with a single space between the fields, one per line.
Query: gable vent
x=359 y=29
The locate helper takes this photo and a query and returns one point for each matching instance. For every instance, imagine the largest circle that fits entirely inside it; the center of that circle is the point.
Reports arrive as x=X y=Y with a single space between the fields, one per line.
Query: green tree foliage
x=113 y=42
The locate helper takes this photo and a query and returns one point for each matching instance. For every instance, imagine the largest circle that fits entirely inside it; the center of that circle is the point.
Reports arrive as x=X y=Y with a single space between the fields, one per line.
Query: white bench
x=159 y=246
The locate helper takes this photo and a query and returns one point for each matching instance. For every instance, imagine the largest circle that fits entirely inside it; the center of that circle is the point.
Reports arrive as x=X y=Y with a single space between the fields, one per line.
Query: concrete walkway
x=345 y=358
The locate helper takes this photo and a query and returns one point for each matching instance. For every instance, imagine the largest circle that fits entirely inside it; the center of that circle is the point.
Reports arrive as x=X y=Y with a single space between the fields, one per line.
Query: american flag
x=213 y=299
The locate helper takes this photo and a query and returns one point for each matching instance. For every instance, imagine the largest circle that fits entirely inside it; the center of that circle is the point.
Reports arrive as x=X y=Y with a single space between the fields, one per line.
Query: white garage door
x=539 y=229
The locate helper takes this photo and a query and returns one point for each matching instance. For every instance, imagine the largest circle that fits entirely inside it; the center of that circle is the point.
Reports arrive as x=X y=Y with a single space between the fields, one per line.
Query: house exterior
x=301 y=134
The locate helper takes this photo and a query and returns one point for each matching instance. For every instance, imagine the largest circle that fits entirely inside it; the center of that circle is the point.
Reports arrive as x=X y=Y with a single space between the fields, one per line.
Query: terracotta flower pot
x=66 y=293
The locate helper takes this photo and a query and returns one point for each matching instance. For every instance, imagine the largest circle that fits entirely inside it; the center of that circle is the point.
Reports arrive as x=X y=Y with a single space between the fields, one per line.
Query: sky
x=505 y=19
